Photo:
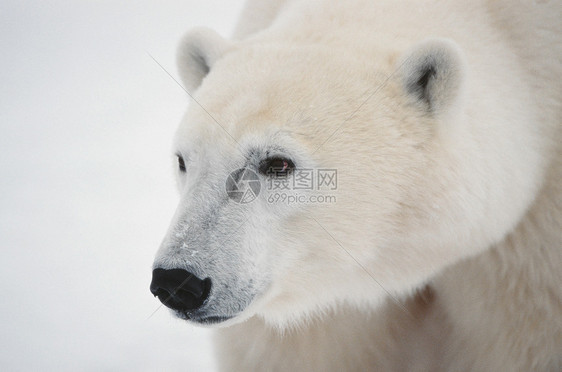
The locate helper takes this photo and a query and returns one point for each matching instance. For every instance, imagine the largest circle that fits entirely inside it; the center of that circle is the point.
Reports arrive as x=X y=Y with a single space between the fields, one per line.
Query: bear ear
x=198 y=50
x=433 y=74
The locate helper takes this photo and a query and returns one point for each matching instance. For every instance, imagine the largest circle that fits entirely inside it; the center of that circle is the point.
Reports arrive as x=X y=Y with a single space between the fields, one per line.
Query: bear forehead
x=303 y=90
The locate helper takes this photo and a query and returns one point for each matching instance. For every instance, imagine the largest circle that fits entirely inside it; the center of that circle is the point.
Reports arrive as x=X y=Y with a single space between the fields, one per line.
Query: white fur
x=462 y=194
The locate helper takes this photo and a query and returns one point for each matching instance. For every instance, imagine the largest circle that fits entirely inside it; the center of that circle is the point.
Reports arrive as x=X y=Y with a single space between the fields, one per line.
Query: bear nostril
x=179 y=289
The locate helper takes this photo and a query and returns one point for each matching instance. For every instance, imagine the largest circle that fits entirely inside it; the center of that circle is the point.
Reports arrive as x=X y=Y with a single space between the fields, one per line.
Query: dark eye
x=276 y=166
x=181 y=163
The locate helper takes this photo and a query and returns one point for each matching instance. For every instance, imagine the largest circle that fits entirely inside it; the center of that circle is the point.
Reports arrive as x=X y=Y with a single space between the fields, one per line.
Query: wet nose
x=179 y=289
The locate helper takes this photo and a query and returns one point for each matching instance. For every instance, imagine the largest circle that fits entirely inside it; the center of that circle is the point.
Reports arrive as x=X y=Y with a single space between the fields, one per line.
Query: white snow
x=86 y=186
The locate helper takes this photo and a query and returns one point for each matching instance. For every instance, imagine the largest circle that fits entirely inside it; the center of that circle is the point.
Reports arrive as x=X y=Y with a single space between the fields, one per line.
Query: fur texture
x=444 y=247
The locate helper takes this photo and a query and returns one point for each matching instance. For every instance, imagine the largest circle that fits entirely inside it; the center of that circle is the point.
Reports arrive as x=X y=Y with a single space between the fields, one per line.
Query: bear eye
x=181 y=163
x=276 y=166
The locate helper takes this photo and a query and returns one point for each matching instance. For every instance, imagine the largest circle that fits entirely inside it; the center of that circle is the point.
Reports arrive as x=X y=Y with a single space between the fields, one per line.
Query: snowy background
x=86 y=186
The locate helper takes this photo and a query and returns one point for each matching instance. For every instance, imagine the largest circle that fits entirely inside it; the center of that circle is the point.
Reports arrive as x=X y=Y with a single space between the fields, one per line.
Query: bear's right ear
x=198 y=50
x=433 y=74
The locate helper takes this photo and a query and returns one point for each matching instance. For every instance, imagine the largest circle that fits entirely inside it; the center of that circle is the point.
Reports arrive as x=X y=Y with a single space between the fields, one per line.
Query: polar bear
x=442 y=250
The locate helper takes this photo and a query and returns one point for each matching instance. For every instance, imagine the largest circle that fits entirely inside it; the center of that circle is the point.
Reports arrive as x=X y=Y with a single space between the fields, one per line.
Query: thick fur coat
x=443 y=251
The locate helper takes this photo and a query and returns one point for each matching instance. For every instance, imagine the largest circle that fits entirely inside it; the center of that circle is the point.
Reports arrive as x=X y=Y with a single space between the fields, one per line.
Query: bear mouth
x=214 y=319
x=203 y=320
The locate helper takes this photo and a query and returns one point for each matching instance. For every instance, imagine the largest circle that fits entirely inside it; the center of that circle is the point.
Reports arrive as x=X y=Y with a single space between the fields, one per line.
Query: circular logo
x=243 y=185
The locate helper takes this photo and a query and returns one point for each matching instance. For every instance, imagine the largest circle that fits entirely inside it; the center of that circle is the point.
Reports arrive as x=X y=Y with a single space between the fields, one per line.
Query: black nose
x=179 y=289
